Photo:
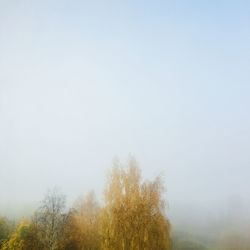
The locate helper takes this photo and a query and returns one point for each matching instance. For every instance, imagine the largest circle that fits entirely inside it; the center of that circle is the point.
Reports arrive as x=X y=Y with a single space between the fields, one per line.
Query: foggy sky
x=82 y=82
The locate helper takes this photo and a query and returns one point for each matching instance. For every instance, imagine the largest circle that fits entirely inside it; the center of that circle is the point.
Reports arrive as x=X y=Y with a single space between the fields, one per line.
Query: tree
x=82 y=227
x=5 y=229
x=49 y=220
x=234 y=240
x=188 y=245
x=134 y=213
x=23 y=237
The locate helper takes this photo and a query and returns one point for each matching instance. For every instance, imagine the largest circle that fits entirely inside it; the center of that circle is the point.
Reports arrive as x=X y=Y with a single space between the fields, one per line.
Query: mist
x=83 y=83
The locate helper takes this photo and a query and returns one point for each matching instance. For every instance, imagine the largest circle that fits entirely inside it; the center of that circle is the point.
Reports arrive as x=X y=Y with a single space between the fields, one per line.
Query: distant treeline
x=132 y=217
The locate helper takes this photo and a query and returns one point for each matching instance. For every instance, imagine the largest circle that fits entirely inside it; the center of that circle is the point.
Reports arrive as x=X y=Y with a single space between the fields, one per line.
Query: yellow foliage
x=82 y=230
x=17 y=239
x=133 y=216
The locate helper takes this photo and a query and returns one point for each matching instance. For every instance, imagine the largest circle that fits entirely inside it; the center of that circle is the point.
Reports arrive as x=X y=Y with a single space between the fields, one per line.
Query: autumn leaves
x=134 y=213
x=131 y=218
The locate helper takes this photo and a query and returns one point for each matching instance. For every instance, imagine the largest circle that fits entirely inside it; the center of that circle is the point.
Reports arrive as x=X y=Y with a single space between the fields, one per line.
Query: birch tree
x=134 y=213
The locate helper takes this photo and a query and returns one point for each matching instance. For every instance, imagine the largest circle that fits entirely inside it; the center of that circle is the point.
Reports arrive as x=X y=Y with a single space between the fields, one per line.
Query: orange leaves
x=133 y=216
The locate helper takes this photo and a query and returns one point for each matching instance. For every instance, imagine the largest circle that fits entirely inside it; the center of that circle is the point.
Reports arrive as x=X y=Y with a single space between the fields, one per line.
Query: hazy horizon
x=168 y=82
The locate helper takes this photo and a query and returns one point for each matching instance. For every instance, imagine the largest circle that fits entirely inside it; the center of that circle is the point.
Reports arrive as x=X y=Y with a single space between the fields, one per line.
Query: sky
x=84 y=82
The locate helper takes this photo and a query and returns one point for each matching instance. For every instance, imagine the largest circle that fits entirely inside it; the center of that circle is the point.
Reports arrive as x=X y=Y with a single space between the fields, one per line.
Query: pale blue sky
x=84 y=81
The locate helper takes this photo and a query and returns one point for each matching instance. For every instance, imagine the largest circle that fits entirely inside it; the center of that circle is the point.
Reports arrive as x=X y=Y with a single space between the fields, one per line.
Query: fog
x=82 y=83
